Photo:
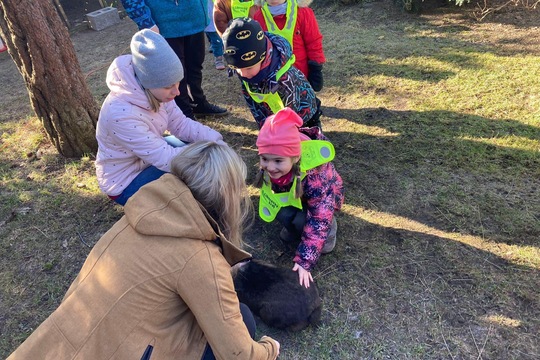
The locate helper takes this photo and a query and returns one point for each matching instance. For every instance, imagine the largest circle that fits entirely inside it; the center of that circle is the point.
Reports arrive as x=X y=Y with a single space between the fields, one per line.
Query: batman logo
x=260 y=35
x=244 y=34
x=249 y=55
x=230 y=51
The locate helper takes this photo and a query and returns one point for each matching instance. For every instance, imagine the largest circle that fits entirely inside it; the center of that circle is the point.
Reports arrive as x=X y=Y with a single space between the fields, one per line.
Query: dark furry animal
x=275 y=295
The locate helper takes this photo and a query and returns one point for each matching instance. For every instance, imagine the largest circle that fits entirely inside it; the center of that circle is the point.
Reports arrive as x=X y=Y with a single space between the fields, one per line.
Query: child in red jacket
x=296 y=22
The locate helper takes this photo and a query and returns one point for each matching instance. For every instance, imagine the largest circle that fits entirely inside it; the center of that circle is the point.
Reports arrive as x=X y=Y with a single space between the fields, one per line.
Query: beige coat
x=158 y=278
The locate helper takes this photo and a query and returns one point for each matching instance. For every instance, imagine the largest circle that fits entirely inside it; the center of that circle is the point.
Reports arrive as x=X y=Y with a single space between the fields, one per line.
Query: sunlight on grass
x=477 y=90
x=359 y=128
x=510 y=142
x=519 y=255
x=244 y=130
x=25 y=136
x=502 y=320
x=422 y=64
x=450 y=78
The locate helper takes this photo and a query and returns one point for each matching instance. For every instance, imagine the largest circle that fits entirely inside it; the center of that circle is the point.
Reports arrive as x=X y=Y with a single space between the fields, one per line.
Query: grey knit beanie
x=156 y=64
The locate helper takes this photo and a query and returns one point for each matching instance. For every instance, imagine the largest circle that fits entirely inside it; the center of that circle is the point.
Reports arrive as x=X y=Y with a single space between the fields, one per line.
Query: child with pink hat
x=300 y=187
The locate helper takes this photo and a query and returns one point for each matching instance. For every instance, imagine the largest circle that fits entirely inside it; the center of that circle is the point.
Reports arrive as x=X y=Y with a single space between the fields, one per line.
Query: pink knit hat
x=279 y=134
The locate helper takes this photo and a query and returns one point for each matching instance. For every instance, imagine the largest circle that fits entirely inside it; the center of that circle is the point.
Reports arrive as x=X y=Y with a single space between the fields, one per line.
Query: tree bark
x=40 y=46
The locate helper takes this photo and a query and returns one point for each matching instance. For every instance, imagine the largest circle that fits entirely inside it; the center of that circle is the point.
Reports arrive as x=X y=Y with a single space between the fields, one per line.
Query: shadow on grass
x=389 y=290
x=452 y=171
x=386 y=289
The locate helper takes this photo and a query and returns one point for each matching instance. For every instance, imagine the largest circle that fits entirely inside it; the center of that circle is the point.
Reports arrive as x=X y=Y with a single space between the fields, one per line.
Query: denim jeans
x=149 y=174
x=215 y=43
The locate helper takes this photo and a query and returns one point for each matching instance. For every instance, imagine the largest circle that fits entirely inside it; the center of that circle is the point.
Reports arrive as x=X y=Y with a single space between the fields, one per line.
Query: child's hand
x=315 y=76
x=303 y=275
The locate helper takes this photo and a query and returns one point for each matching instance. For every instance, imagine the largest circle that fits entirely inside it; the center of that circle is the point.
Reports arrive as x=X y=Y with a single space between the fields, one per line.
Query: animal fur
x=275 y=295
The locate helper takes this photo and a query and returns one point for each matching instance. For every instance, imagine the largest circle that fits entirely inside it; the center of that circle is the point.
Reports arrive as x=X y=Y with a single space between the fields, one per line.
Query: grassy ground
x=436 y=124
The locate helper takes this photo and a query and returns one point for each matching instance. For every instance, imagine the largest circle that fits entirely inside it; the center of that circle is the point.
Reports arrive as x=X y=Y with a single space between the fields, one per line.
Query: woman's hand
x=155 y=29
x=303 y=275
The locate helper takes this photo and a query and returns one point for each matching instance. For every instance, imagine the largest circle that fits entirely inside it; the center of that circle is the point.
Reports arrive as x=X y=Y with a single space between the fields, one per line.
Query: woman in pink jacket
x=137 y=113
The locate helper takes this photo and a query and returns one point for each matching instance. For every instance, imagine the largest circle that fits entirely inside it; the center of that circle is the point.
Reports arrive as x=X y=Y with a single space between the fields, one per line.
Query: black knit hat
x=244 y=42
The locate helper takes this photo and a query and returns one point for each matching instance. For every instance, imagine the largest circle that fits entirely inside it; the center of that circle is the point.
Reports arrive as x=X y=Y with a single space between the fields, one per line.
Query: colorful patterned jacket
x=293 y=88
x=323 y=196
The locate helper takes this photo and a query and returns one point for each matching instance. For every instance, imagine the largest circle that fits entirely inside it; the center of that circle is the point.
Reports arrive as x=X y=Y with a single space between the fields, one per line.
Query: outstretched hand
x=303 y=275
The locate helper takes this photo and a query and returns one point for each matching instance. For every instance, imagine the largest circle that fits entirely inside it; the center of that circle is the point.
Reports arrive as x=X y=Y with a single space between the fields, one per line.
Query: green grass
x=436 y=124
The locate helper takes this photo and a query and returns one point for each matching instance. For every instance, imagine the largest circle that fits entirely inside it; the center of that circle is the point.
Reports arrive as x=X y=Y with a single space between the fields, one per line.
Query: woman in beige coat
x=158 y=284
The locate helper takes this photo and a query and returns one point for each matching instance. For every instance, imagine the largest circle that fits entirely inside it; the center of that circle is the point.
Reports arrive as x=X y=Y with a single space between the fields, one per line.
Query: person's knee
x=299 y=220
x=249 y=319
x=286 y=215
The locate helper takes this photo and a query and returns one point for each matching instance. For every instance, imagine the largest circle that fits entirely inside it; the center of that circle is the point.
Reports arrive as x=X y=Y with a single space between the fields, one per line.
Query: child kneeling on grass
x=263 y=62
x=139 y=109
x=299 y=187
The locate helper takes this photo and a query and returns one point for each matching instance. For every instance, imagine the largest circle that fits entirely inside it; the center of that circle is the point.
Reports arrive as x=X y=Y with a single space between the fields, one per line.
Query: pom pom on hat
x=154 y=61
x=244 y=42
x=279 y=134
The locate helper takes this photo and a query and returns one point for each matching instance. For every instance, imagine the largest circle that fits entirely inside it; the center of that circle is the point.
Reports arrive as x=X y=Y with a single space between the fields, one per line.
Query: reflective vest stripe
x=288 y=30
x=314 y=153
x=272 y=99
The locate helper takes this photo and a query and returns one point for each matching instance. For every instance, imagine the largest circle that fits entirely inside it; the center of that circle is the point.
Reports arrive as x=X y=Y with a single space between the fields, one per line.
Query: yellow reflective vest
x=240 y=8
x=288 y=30
x=272 y=99
x=314 y=153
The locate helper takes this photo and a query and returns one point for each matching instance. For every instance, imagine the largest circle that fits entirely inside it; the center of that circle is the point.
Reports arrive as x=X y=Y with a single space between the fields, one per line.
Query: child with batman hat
x=263 y=62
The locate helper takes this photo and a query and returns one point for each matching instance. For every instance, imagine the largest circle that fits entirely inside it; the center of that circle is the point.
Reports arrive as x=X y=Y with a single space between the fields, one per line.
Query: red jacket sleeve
x=313 y=39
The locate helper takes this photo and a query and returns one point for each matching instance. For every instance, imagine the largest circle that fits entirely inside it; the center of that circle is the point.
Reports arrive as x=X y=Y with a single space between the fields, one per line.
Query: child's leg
x=251 y=325
x=216 y=43
x=293 y=221
x=149 y=174
x=217 y=48
x=330 y=242
x=209 y=41
x=316 y=118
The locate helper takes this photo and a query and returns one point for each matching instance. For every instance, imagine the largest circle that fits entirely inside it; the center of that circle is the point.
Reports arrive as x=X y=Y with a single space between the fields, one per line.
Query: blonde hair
x=154 y=102
x=216 y=176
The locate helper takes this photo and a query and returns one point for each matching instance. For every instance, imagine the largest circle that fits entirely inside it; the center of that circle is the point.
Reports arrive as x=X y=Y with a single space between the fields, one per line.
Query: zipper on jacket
x=147 y=352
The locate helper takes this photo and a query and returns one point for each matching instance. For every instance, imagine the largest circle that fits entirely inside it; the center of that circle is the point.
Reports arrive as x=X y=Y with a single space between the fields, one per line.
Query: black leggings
x=191 y=51
x=249 y=320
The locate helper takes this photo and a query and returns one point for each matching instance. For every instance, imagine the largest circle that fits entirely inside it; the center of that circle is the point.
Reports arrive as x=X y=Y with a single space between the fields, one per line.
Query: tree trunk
x=41 y=47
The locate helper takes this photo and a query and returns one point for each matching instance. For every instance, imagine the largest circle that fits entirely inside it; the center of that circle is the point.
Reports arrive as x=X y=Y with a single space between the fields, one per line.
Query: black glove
x=315 y=76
